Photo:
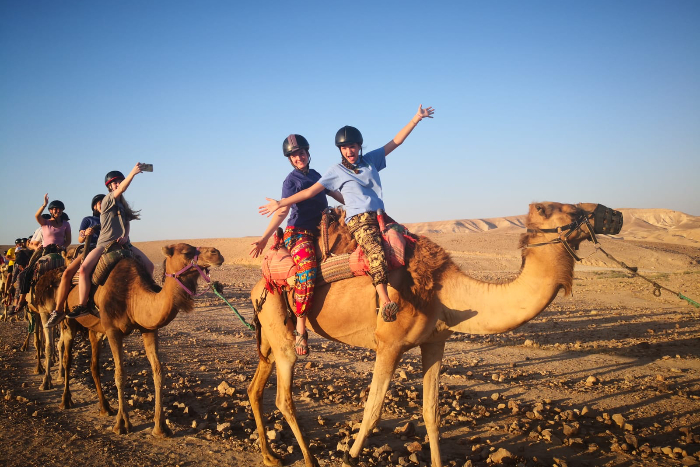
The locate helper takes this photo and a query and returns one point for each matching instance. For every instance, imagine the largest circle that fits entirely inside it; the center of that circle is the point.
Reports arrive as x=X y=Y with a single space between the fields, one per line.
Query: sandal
x=299 y=347
x=389 y=311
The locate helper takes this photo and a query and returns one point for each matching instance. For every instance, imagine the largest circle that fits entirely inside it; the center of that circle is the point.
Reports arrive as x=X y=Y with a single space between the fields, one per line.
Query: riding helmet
x=348 y=135
x=112 y=176
x=294 y=143
x=57 y=204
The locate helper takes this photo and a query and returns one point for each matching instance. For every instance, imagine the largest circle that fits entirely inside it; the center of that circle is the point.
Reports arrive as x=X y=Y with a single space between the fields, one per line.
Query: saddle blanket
x=279 y=269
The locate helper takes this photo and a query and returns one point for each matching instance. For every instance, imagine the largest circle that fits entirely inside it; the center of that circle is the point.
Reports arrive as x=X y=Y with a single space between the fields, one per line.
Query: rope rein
x=657 y=287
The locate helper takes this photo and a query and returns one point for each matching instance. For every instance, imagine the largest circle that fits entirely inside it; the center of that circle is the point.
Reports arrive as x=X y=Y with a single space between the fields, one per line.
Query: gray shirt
x=113 y=221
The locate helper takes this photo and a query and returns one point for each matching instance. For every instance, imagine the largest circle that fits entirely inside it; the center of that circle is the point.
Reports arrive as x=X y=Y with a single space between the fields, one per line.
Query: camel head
x=181 y=255
x=568 y=224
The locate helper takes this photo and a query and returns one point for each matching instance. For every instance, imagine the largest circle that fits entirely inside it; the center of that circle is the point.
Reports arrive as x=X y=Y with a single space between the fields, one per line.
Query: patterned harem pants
x=300 y=243
x=365 y=228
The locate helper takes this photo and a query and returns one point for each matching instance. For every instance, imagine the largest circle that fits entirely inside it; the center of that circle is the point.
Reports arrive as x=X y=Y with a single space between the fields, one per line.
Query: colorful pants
x=365 y=228
x=300 y=243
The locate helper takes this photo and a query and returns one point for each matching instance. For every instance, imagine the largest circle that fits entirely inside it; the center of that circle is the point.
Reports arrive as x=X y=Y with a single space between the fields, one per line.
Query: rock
x=632 y=440
x=495 y=396
x=408 y=429
x=499 y=456
x=414 y=458
x=221 y=427
x=689 y=460
x=414 y=447
x=551 y=437
x=591 y=381
x=272 y=435
x=225 y=389
x=381 y=450
x=570 y=430
x=619 y=420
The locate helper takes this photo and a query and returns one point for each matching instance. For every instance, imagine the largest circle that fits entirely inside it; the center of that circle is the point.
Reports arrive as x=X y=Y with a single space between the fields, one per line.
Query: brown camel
x=130 y=300
x=436 y=299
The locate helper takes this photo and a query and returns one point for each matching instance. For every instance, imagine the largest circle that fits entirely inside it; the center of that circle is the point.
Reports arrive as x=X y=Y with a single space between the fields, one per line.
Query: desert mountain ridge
x=660 y=225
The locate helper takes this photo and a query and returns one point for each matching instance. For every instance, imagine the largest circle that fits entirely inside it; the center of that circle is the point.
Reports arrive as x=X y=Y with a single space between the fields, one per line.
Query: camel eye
x=540 y=209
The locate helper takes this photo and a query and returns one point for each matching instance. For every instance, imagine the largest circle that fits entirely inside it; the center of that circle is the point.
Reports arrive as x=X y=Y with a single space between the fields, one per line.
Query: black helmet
x=95 y=199
x=57 y=204
x=294 y=143
x=348 y=135
x=19 y=240
x=112 y=176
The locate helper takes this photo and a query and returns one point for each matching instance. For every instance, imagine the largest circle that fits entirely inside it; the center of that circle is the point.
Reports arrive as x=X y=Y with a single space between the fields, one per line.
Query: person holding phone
x=115 y=221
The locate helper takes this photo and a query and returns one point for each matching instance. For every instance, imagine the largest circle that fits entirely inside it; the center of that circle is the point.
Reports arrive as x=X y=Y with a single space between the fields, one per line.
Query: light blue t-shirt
x=362 y=192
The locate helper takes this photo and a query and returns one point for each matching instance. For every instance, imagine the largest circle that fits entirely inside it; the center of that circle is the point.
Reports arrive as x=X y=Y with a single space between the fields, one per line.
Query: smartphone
x=147 y=167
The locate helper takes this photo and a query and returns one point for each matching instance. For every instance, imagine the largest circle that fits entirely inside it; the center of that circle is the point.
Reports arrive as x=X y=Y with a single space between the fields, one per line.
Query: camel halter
x=193 y=264
x=607 y=221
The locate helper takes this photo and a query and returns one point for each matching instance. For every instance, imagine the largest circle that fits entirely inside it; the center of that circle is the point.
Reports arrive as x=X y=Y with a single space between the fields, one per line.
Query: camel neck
x=166 y=304
x=476 y=307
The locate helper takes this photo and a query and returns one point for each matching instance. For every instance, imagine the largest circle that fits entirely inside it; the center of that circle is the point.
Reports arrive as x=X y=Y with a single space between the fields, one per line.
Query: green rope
x=249 y=326
x=689 y=300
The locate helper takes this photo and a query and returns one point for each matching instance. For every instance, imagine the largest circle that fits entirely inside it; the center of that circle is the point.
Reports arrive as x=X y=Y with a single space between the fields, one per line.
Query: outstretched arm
x=303 y=195
x=38 y=214
x=405 y=131
x=276 y=221
x=127 y=181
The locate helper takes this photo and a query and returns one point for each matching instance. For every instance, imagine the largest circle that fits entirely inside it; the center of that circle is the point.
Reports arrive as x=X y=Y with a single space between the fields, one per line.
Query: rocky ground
x=609 y=376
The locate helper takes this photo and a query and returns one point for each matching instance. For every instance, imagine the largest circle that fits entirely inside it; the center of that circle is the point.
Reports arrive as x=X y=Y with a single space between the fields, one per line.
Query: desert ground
x=607 y=376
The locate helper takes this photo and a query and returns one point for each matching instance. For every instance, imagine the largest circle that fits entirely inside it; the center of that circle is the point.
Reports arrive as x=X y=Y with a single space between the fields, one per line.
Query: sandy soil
x=608 y=376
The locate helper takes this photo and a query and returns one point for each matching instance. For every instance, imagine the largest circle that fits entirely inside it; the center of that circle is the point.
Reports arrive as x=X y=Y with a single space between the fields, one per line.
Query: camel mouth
x=606 y=221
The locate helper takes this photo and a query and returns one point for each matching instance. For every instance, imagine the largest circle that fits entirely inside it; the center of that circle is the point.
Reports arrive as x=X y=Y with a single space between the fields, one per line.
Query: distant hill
x=659 y=225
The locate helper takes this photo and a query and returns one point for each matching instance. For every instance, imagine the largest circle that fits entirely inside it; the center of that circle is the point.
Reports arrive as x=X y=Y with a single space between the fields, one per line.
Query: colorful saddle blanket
x=279 y=269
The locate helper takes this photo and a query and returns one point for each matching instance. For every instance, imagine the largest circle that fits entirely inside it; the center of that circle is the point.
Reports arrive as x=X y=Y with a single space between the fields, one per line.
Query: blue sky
x=595 y=101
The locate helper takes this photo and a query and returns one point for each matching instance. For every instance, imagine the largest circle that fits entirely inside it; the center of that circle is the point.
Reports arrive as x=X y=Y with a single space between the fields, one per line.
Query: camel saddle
x=279 y=269
x=112 y=254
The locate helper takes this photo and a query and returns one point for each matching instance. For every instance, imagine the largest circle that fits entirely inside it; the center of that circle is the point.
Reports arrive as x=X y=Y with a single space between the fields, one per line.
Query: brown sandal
x=299 y=347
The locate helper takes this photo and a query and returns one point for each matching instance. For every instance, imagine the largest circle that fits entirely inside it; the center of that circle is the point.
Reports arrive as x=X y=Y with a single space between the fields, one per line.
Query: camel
x=130 y=300
x=436 y=299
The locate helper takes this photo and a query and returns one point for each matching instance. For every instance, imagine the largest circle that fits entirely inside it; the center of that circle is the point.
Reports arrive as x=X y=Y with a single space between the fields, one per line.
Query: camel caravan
x=350 y=274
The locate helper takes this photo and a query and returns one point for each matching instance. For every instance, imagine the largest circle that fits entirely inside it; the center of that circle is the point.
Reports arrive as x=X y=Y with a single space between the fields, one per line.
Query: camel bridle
x=606 y=221
x=192 y=264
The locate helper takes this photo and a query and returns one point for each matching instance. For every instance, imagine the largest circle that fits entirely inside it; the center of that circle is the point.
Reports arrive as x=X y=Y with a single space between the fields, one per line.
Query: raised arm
x=303 y=195
x=38 y=214
x=405 y=131
x=127 y=181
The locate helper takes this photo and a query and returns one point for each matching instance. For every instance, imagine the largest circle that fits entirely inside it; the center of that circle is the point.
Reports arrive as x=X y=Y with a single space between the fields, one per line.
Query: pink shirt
x=54 y=235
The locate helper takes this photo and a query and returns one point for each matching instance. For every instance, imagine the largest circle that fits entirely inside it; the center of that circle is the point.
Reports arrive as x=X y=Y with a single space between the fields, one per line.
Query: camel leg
x=95 y=345
x=285 y=358
x=122 y=424
x=255 y=395
x=150 y=343
x=46 y=384
x=61 y=351
x=384 y=367
x=37 y=341
x=67 y=345
x=432 y=359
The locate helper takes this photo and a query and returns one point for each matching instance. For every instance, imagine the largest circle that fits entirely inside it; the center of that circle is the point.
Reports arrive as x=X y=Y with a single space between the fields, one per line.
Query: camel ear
x=168 y=250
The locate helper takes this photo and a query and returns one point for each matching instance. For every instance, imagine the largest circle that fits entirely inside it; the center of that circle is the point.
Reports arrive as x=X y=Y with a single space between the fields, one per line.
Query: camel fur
x=435 y=300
